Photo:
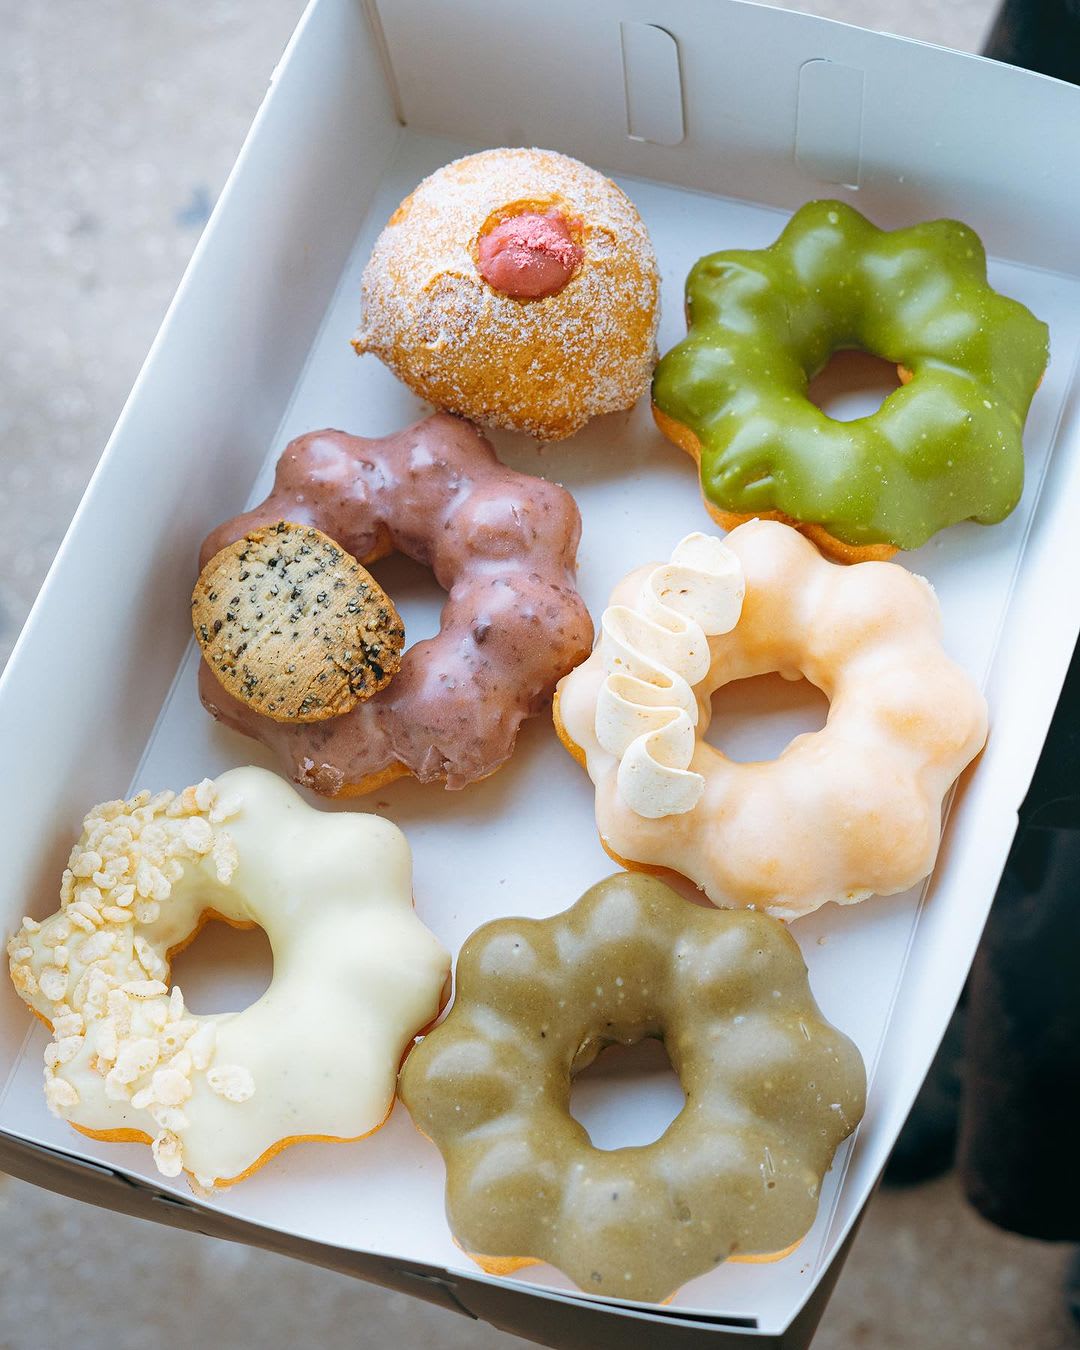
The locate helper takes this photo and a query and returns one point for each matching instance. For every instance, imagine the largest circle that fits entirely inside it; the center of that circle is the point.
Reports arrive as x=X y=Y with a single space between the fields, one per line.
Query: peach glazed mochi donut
x=516 y=287
x=945 y=447
x=771 y=1091
x=356 y=975
x=842 y=813
x=501 y=543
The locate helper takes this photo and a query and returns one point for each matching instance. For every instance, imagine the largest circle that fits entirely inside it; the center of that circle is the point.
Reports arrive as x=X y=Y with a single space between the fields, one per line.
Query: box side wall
x=942 y=133
x=550 y=1318
x=1031 y=656
x=184 y=452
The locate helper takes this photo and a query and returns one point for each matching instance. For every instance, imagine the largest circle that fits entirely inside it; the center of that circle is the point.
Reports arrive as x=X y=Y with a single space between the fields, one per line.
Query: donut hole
x=756 y=719
x=223 y=969
x=627 y=1096
x=417 y=596
x=853 y=384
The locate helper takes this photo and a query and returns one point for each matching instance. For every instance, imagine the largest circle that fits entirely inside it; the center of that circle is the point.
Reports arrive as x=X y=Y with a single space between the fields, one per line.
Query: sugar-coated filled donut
x=771 y=1090
x=518 y=288
x=946 y=446
x=356 y=975
x=502 y=544
x=842 y=813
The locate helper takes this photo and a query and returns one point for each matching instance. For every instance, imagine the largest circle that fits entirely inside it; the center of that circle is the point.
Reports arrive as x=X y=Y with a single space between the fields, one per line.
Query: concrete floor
x=118 y=124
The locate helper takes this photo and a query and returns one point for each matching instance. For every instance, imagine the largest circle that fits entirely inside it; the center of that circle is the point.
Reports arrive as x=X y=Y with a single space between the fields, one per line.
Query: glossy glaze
x=356 y=974
x=771 y=1089
x=945 y=447
x=842 y=813
x=502 y=544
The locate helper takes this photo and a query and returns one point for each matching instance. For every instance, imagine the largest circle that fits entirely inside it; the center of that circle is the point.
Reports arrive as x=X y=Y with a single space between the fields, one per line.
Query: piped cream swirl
x=654 y=653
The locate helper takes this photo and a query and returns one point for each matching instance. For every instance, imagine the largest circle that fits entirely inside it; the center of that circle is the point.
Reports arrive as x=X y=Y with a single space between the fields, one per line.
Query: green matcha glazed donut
x=945 y=447
x=771 y=1090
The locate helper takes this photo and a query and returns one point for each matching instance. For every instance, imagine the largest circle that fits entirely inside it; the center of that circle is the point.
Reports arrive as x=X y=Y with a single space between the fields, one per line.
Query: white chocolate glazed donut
x=842 y=813
x=356 y=974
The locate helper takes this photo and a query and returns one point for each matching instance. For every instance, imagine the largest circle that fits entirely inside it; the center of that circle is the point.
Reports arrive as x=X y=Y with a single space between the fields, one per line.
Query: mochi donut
x=946 y=446
x=518 y=288
x=502 y=544
x=771 y=1091
x=842 y=813
x=356 y=975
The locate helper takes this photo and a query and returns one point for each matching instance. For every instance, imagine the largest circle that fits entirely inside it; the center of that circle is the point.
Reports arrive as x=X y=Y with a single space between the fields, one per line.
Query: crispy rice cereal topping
x=217 y=1095
x=92 y=974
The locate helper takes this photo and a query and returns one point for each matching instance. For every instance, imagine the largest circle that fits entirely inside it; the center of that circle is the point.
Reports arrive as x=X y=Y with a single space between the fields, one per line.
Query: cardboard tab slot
x=828 y=125
x=654 y=104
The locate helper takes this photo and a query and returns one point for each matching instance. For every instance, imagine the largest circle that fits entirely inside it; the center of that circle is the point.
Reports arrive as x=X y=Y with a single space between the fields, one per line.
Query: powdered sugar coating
x=541 y=366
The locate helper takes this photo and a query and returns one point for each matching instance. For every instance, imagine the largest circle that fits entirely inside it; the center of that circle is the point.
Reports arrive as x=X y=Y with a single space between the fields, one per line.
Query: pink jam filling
x=529 y=256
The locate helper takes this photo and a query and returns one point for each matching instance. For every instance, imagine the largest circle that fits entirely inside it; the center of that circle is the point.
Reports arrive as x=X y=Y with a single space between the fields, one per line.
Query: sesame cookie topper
x=771 y=1091
x=945 y=447
x=314 y=1058
x=293 y=626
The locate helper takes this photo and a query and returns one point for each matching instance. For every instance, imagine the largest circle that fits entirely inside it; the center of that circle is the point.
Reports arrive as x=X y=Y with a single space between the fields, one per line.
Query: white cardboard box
x=738 y=114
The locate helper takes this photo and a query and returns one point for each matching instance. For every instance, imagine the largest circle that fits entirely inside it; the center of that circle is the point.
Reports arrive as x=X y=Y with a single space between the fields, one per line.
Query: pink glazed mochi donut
x=502 y=545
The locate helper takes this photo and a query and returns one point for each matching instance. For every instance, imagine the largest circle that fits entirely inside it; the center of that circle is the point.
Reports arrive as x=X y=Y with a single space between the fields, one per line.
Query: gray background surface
x=118 y=124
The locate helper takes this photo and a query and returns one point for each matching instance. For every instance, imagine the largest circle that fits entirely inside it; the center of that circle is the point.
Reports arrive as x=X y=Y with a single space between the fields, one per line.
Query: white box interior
x=255 y=351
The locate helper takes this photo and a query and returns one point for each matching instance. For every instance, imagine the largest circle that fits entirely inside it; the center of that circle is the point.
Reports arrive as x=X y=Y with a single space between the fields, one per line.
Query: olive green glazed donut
x=771 y=1090
x=945 y=447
